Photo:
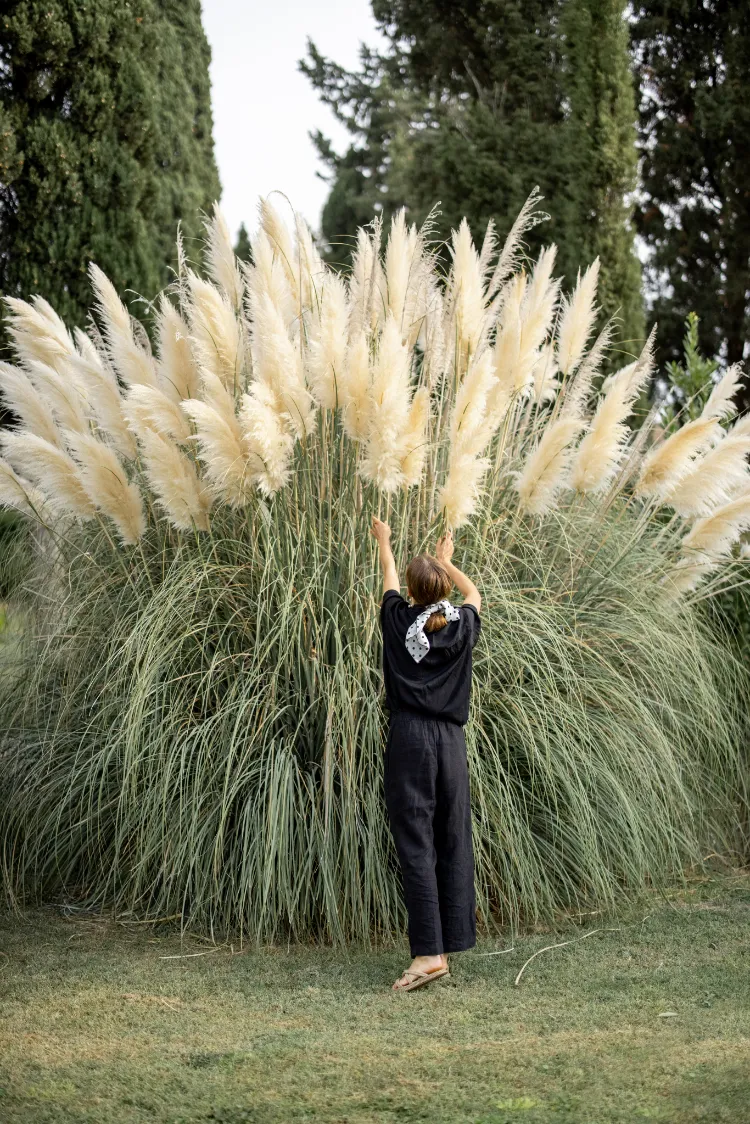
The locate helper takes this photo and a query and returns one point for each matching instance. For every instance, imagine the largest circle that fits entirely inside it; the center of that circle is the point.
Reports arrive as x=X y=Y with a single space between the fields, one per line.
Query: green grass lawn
x=113 y=1022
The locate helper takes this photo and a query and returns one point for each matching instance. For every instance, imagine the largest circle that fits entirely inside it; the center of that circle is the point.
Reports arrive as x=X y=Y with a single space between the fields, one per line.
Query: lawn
x=648 y=1019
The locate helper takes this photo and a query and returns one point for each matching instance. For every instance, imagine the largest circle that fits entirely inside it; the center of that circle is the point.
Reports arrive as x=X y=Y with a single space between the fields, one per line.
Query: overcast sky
x=263 y=107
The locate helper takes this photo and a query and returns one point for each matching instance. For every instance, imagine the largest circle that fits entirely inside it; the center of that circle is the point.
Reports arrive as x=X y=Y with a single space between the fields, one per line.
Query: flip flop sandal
x=419 y=979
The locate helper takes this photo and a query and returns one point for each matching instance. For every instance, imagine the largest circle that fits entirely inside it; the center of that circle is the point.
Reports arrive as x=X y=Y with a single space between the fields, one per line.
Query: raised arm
x=464 y=585
x=382 y=533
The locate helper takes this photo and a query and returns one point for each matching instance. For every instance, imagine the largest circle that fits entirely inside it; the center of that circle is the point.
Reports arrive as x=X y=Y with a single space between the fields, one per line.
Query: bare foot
x=422 y=964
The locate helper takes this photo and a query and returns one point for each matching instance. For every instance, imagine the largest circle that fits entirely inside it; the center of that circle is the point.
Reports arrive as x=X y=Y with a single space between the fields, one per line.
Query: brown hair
x=428 y=582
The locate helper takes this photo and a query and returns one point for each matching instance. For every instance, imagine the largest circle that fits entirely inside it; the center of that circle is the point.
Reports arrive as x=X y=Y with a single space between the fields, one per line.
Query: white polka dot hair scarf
x=417 y=644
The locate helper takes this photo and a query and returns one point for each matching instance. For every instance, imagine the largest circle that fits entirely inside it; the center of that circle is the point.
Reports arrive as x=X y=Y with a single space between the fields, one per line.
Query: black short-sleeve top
x=439 y=685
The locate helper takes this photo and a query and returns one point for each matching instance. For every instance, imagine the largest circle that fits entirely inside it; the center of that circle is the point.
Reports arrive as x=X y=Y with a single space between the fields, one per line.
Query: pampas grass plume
x=37 y=332
x=709 y=540
x=103 y=395
x=215 y=332
x=177 y=369
x=175 y=482
x=54 y=470
x=268 y=442
x=224 y=460
x=106 y=484
x=356 y=397
x=20 y=494
x=577 y=320
x=599 y=455
x=21 y=397
x=134 y=365
x=145 y=406
x=545 y=471
x=389 y=410
x=220 y=258
x=327 y=339
x=718 y=476
x=415 y=437
x=459 y=496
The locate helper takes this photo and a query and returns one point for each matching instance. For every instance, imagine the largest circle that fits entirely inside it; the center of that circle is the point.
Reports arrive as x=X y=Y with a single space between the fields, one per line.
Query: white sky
x=263 y=107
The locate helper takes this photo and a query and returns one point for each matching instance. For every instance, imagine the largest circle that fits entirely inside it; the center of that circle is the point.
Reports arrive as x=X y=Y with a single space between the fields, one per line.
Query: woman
x=427 y=652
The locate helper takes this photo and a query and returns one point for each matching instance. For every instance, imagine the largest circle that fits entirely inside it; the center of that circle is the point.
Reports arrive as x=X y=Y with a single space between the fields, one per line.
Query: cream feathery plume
x=390 y=403
x=106 y=484
x=145 y=406
x=544 y=372
x=268 y=442
x=177 y=369
x=55 y=472
x=326 y=346
x=221 y=262
x=366 y=284
x=720 y=403
x=717 y=478
x=512 y=376
x=134 y=365
x=309 y=263
x=215 y=394
x=667 y=464
x=545 y=471
x=471 y=428
x=433 y=342
x=419 y=294
x=465 y=292
x=577 y=318
x=278 y=364
x=400 y=261
x=37 y=332
x=709 y=540
x=62 y=395
x=524 y=322
x=357 y=389
x=225 y=464
x=510 y=255
x=539 y=302
x=578 y=389
x=415 y=437
x=20 y=494
x=489 y=248
x=24 y=400
x=282 y=247
x=215 y=331
x=174 y=481
x=267 y=277
x=472 y=424
x=459 y=496
x=599 y=455
x=103 y=394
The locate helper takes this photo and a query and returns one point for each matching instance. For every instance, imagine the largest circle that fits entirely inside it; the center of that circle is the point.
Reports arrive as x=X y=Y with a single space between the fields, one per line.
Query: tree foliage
x=105 y=143
x=692 y=63
x=475 y=102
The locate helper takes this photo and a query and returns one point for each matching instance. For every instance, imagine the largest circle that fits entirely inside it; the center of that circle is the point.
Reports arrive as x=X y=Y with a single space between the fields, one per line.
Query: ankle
x=426 y=962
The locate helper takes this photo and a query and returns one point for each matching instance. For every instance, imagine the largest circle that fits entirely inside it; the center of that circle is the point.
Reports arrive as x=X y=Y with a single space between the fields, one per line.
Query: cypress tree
x=105 y=143
x=242 y=247
x=477 y=101
x=693 y=62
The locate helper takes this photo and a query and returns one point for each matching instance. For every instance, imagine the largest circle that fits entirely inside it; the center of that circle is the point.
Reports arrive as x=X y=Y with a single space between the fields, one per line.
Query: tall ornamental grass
x=190 y=696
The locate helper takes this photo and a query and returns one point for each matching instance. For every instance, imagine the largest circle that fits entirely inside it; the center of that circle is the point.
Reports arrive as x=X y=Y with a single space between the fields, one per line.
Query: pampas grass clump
x=191 y=712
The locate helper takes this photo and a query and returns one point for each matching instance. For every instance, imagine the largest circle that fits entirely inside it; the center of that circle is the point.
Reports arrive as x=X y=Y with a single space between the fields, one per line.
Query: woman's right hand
x=444 y=548
x=380 y=530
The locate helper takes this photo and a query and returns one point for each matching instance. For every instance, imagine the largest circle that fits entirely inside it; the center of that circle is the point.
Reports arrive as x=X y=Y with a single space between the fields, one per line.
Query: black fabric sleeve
x=475 y=622
x=391 y=599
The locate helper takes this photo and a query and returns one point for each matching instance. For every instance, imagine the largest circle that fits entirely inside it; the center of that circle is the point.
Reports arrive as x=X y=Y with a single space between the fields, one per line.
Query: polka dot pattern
x=417 y=644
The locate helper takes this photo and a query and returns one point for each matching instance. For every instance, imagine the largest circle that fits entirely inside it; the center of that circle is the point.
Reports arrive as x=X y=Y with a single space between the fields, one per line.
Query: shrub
x=193 y=724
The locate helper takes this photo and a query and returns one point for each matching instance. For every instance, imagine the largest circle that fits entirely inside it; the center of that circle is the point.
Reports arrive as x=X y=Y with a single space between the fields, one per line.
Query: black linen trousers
x=426 y=780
